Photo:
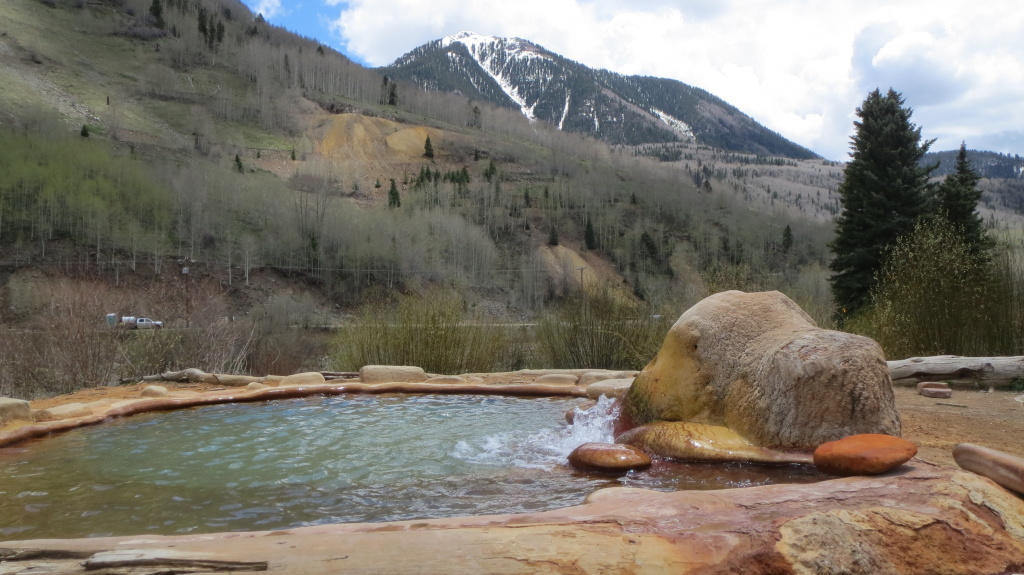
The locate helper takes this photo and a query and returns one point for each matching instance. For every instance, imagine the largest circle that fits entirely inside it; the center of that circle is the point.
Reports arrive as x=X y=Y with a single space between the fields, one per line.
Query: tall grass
x=934 y=297
x=601 y=328
x=434 y=331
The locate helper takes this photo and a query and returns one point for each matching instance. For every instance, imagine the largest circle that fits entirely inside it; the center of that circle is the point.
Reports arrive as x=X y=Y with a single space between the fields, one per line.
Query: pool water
x=291 y=463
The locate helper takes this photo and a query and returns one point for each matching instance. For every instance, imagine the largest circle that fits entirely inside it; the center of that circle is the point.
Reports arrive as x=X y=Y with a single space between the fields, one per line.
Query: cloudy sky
x=797 y=66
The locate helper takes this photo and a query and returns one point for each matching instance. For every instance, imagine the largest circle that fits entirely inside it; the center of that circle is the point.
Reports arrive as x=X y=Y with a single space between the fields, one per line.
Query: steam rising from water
x=542 y=449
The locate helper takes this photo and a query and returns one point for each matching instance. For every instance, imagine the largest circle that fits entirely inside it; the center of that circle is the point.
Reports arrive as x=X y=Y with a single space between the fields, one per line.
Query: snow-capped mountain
x=619 y=109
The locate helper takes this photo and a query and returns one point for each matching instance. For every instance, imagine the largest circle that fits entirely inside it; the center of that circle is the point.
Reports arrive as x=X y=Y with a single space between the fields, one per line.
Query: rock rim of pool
x=901 y=522
x=918 y=518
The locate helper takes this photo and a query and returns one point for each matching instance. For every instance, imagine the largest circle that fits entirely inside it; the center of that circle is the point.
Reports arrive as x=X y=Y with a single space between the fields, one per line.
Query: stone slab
x=609 y=387
x=391 y=373
x=14 y=410
x=913 y=522
x=937 y=393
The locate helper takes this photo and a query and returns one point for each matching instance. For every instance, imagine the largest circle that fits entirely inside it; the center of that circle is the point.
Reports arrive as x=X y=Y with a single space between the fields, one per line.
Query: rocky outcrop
x=757 y=364
x=920 y=520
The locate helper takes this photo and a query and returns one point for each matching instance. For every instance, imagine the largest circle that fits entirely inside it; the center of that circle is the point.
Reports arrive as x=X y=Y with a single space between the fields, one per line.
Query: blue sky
x=800 y=68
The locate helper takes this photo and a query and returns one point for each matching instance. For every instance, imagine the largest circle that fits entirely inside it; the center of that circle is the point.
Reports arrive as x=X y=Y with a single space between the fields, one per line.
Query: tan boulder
x=14 y=410
x=609 y=387
x=154 y=391
x=936 y=392
x=757 y=364
x=256 y=386
x=391 y=373
x=306 y=378
x=66 y=411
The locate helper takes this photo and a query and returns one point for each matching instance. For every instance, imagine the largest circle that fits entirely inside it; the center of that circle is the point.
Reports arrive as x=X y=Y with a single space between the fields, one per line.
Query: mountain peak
x=512 y=46
x=631 y=110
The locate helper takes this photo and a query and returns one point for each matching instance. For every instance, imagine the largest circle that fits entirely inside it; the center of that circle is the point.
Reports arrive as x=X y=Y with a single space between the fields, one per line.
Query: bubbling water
x=545 y=448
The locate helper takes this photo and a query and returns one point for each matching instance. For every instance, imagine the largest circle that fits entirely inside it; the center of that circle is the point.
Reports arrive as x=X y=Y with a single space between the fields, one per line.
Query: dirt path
x=993 y=420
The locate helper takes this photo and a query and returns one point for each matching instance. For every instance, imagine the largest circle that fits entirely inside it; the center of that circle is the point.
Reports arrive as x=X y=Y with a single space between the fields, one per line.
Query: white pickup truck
x=141 y=323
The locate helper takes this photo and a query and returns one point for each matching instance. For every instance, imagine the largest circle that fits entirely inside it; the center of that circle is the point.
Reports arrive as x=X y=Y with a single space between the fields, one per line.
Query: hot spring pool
x=290 y=463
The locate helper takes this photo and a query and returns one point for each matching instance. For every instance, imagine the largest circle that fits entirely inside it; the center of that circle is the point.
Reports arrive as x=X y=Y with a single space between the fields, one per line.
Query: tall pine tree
x=958 y=201
x=884 y=192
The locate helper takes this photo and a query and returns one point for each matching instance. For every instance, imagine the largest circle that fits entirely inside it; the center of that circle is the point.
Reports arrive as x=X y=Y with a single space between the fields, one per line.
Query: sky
x=799 y=67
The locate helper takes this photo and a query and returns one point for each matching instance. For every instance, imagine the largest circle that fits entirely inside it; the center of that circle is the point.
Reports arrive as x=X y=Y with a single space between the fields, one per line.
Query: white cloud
x=269 y=8
x=800 y=68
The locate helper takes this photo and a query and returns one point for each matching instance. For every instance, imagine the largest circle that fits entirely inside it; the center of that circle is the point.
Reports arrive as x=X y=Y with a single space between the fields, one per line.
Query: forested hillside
x=186 y=160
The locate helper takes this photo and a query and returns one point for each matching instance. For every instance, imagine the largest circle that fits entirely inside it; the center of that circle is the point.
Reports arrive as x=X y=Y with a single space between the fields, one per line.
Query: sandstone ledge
x=923 y=519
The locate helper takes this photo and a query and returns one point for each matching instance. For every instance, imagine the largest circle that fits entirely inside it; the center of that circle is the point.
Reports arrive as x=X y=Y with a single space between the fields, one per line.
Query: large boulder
x=757 y=364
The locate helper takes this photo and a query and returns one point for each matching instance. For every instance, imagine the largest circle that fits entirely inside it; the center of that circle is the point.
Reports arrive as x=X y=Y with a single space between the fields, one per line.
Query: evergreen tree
x=238 y=164
x=884 y=192
x=394 y=200
x=84 y=131
x=553 y=235
x=428 y=149
x=957 y=201
x=589 y=237
x=787 y=239
x=156 y=10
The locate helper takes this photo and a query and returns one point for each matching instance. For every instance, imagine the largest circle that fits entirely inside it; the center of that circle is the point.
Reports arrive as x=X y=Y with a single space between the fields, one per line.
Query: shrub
x=433 y=331
x=934 y=296
x=601 y=328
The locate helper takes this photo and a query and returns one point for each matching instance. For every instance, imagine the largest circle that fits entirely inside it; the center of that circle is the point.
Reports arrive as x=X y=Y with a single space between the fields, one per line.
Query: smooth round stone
x=608 y=457
x=865 y=454
x=936 y=392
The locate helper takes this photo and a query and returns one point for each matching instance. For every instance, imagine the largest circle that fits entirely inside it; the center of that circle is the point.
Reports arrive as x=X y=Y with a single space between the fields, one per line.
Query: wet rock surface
x=608 y=457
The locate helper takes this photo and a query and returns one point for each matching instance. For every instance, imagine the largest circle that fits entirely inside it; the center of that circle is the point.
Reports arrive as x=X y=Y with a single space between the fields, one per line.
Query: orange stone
x=865 y=454
x=611 y=457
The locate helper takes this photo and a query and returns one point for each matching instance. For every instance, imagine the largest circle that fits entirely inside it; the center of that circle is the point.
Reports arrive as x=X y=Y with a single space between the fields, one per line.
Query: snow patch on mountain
x=674 y=123
x=483 y=48
x=565 y=112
